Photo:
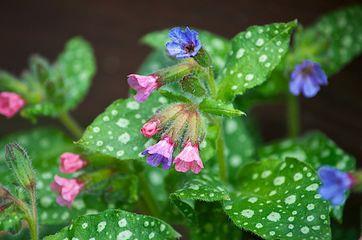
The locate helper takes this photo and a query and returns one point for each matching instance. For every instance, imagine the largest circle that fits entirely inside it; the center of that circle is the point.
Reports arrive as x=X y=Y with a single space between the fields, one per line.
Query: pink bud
x=68 y=189
x=144 y=85
x=189 y=159
x=150 y=128
x=10 y=104
x=70 y=162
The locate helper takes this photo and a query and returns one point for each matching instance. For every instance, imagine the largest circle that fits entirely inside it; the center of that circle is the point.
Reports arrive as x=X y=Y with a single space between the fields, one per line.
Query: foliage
x=245 y=186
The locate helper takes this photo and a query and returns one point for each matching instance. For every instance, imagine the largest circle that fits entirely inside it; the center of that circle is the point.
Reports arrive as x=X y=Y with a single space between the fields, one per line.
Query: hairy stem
x=293 y=116
x=71 y=124
x=147 y=196
x=211 y=82
x=34 y=230
x=220 y=151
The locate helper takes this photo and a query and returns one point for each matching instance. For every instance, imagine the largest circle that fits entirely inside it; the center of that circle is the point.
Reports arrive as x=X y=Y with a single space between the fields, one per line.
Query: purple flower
x=307 y=78
x=335 y=183
x=185 y=43
x=160 y=153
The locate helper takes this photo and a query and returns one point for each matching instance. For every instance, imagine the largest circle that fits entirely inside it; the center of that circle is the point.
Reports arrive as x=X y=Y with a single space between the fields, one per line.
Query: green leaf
x=279 y=200
x=217 y=46
x=241 y=144
x=212 y=223
x=77 y=67
x=220 y=108
x=50 y=90
x=156 y=60
x=254 y=55
x=116 y=132
x=203 y=187
x=316 y=149
x=334 y=40
x=116 y=224
x=174 y=97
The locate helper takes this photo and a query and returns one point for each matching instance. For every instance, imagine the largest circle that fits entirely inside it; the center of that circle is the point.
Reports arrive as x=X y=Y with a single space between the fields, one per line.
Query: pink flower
x=144 y=85
x=10 y=104
x=160 y=153
x=189 y=159
x=70 y=162
x=68 y=189
x=150 y=128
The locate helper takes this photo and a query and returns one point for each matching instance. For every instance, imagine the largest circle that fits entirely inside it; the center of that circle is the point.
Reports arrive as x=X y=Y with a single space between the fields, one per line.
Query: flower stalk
x=71 y=124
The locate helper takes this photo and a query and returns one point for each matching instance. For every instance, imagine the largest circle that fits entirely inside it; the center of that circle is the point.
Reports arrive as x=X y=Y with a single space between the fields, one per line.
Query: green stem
x=293 y=116
x=211 y=82
x=220 y=152
x=34 y=225
x=70 y=123
x=147 y=196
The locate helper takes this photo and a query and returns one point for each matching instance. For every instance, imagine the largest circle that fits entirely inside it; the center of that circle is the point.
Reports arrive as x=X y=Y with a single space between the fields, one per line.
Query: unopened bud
x=19 y=162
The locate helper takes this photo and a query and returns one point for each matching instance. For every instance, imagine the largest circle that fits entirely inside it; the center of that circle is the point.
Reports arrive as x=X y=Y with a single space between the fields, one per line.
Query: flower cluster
x=179 y=124
x=68 y=189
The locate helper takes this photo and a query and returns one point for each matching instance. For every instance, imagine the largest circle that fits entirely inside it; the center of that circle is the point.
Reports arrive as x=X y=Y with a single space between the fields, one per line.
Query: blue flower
x=307 y=78
x=160 y=153
x=335 y=183
x=185 y=43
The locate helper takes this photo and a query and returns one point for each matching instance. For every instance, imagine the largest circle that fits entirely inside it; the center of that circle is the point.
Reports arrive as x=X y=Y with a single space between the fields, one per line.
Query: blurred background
x=115 y=27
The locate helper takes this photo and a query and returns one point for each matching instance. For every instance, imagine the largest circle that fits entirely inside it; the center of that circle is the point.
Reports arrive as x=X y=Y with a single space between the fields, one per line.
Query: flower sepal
x=203 y=58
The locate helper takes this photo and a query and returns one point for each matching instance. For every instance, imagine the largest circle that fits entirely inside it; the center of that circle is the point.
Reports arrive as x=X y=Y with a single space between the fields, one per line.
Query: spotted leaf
x=212 y=223
x=336 y=39
x=279 y=200
x=116 y=132
x=116 y=224
x=77 y=67
x=254 y=55
x=203 y=187
x=241 y=142
x=314 y=148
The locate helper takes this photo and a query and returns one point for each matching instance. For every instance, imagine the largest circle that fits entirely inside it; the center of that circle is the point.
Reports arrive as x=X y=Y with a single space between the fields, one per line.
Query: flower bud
x=150 y=128
x=10 y=104
x=70 y=162
x=19 y=162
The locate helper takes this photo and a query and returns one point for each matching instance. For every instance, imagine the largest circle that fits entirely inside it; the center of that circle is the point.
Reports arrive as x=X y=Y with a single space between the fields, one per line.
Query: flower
x=307 y=78
x=70 y=162
x=10 y=104
x=68 y=189
x=150 y=128
x=335 y=183
x=144 y=85
x=160 y=153
x=189 y=159
x=184 y=43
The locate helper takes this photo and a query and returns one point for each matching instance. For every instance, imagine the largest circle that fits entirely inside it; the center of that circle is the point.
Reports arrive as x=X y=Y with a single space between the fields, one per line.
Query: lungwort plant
x=182 y=150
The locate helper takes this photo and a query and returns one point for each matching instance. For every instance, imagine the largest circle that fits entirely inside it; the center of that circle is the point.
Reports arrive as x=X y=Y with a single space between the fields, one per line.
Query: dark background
x=115 y=27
